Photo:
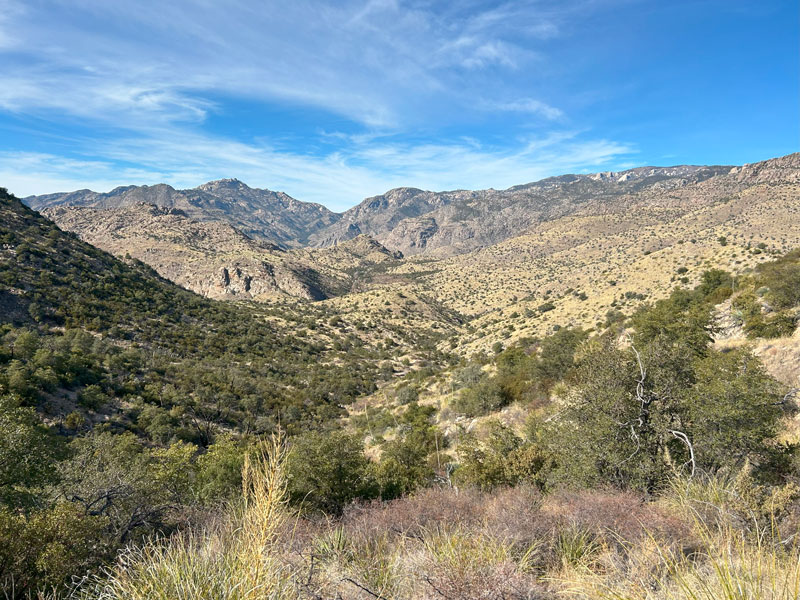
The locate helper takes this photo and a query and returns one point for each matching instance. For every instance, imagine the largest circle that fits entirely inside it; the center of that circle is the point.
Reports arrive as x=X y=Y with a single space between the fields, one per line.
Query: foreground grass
x=712 y=540
x=236 y=559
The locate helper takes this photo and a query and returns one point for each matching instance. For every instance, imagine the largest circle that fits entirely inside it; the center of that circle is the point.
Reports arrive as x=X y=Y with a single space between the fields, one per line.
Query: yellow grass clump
x=237 y=559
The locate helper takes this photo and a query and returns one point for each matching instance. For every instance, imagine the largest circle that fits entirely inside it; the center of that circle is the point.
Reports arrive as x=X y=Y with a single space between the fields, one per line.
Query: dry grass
x=510 y=544
x=237 y=559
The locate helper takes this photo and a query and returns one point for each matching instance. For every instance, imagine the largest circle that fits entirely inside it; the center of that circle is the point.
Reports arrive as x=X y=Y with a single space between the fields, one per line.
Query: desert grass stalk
x=239 y=559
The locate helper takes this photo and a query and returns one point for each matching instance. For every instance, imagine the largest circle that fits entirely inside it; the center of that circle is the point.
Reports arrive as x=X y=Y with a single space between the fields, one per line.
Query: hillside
x=414 y=221
x=210 y=258
x=447 y=223
x=142 y=407
x=154 y=341
x=580 y=250
x=609 y=257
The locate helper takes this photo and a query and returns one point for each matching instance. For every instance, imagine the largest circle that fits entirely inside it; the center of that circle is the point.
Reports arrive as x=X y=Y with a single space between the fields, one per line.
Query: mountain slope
x=147 y=342
x=210 y=258
x=611 y=257
x=261 y=214
x=415 y=221
x=448 y=223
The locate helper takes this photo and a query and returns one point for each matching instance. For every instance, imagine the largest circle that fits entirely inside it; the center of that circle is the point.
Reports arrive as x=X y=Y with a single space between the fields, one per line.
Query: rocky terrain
x=211 y=258
x=507 y=264
x=449 y=223
x=610 y=257
x=260 y=214
x=409 y=220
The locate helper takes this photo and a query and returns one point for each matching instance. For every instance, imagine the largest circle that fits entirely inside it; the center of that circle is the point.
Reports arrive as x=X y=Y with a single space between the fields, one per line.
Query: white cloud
x=527 y=105
x=139 y=81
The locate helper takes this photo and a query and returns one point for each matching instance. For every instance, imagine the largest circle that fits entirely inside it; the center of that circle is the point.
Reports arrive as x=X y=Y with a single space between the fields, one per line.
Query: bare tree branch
x=685 y=439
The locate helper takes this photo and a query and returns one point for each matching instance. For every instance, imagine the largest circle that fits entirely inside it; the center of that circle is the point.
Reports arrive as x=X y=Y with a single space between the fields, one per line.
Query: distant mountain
x=449 y=223
x=583 y=246
x=217 y=260
x=419 y=222
x=258 y=213
x=410 y=220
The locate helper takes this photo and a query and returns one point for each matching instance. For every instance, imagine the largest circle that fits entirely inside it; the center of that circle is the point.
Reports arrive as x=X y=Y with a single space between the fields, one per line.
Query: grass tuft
x=235 y=560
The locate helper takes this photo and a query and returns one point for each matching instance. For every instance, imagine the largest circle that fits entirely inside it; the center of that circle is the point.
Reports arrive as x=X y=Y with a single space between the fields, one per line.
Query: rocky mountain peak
x=220 y=184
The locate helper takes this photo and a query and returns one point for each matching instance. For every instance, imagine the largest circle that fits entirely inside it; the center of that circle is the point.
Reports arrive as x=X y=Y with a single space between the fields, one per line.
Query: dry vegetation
x=703 y=540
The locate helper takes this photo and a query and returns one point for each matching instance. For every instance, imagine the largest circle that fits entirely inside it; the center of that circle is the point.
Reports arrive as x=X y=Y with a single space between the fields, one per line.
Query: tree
x=26 y=452
x=638 y=414
x=484 y=397
x=605 y=433
x=733 y=411
x=118 y=477
x=326 y=471
x=403 y=468
x=219 y=471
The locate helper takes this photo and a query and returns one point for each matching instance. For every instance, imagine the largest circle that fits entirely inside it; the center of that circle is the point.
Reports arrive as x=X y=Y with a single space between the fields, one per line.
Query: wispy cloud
x=143 y=82
x=527 y=105
x=366 y=61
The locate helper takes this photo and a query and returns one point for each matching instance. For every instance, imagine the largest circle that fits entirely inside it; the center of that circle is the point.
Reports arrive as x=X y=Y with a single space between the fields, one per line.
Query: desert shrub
x=44 y=548
x=467 y=376
x=724 y=565
x=407 y=394
x=326 y=471
x=484 y=397
x=404 y=460
x=500 y=458
x=614 y=516
x=219 y=471
x=775 y=326
x=237 y=559
x=782 y=280
x=27 y=453
x=459 y=564
x=92 y=397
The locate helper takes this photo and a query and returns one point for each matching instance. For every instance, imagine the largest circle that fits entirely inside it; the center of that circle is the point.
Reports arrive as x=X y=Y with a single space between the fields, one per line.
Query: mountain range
x=562 y=251
x=410 y=220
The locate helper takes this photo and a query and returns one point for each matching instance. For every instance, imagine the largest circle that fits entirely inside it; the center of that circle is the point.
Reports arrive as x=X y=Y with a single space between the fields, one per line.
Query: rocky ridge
x=449 y=223
x=259 y=213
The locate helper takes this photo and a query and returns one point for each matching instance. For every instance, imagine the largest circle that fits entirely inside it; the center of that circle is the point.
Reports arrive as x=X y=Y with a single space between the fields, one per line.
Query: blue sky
x=335 y=101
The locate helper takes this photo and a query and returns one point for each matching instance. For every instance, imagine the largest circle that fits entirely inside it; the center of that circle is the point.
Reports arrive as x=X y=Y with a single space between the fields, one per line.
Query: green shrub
x=485 y=397
x=327 y=471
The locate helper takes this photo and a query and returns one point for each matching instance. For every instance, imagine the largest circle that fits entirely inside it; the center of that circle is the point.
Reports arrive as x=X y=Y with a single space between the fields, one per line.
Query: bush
x=500 y=459
x=485 y=397
x=327 y=471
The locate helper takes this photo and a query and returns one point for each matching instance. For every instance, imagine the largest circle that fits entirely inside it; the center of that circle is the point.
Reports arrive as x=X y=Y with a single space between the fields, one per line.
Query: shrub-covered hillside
x=81 y=326
x=125 y=401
